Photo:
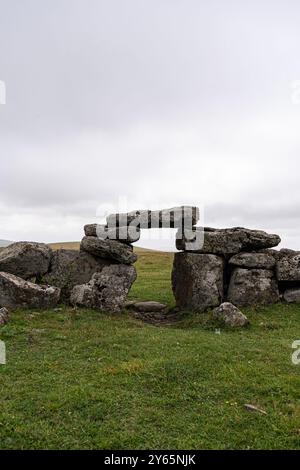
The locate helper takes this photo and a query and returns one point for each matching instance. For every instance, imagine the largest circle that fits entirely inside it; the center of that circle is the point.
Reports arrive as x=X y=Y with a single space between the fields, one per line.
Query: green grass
x=154 y=277
x=84 y=379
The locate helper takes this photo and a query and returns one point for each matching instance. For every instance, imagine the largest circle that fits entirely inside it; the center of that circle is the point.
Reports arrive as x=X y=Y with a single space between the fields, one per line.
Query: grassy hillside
x=85 y=379
x=4 y=243
x=65 y=246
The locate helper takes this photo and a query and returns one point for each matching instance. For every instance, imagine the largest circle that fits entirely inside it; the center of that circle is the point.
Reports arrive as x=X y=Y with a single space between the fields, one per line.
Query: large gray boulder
x=26 y=259
x=253 y=287
x=292 y=295
x=167 y=218
x=225 y=241
x=230 y=315
x=122 y=234
x=288 y=266
x=108 y=249
x=197 y=281
x=107 y=290
x=254 y=260
x=15 y=292
x=70 y=268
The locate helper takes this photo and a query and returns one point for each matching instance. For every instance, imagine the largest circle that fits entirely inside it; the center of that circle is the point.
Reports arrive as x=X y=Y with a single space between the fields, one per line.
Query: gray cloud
x=163 y=102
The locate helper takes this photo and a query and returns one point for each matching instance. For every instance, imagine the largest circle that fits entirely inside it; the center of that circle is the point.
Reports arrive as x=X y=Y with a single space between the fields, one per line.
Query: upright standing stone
x=197 y=281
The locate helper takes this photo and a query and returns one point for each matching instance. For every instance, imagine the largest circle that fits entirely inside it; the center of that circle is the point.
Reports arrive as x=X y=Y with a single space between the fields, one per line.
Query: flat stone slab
x=147 y=306
x=225 y=241
x=197 y=281
x=26 y=259
x=292 y=295
x=254 y=260
x=109 y=249
x=253 y=287
x=124 y=234
x=165 y=218
x=15 y=292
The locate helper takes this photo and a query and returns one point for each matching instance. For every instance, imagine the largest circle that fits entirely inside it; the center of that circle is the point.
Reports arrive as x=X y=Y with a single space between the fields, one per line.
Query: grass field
x=86 y=380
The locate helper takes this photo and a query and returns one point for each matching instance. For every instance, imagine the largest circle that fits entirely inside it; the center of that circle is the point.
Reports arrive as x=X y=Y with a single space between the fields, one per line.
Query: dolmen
x=226 y=268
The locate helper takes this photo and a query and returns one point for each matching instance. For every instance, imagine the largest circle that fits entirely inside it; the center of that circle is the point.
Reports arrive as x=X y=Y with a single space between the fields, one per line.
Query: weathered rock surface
x=288 y=266
x=253 y=287
x=292 y=295
x=4 y=316
x=107 y=290
x=26 y=259
x=197 y=281
x=225 y=241
x=70 y=268
x=168 y=218
x=254 y=260
x=108 y=249
x=230 y=315
x=124 y=234
x=15 y=292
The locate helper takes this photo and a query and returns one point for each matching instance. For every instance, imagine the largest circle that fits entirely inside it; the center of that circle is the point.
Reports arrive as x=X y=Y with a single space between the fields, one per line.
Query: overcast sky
x=149 y=103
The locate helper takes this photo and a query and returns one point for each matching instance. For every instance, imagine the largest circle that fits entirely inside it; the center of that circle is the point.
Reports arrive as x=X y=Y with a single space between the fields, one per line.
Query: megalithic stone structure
x=237 y=264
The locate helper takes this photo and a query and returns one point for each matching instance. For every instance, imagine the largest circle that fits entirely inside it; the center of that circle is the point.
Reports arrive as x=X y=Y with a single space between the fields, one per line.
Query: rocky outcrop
x=122 y=234
x=107 y=290
x=254 y=260
x=253 y=287
x=70 y=268
x=109 y=249
x=18 y=293
x=4 y=316
x=26 y=259
x=225 y=241
x=197 y=281
x=230 y=315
